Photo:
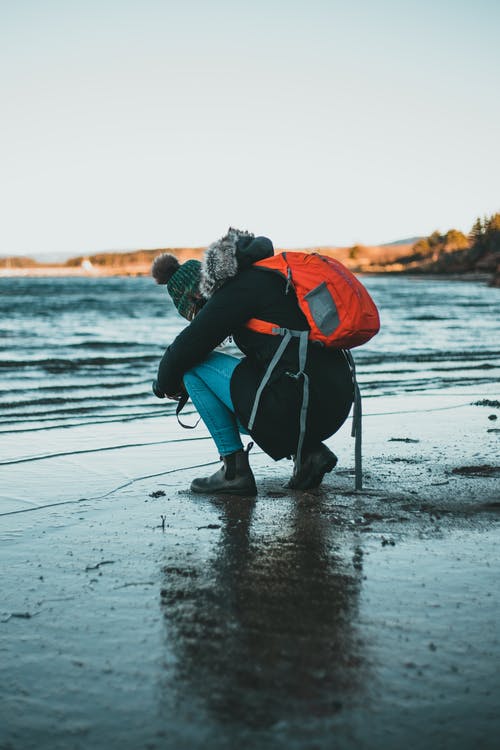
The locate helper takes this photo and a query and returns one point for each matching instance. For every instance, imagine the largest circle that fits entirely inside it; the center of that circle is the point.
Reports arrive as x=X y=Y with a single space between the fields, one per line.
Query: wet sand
x=137 y=615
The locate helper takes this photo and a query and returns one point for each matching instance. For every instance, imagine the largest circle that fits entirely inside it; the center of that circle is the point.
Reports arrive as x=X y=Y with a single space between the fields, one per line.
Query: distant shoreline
x=449 y=255
x=68 y=272
x=376 y=260
x=73 y=271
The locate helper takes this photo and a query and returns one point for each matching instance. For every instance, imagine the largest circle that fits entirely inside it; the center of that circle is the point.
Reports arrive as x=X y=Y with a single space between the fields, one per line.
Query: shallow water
x=79 y=351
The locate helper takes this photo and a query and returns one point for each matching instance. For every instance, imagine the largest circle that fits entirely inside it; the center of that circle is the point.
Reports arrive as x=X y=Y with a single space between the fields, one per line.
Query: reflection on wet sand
x=263 y=632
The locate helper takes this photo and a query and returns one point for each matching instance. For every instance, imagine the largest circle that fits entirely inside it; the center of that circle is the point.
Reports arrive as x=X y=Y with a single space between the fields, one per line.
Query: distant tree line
x=485 y=240
x=17 y=261
x=451 y=252
x=455 y=252
x=115 y=260
x=436 y=244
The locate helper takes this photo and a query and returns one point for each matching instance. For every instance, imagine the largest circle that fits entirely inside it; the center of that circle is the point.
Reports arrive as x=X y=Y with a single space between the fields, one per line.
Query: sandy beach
x=136 y=615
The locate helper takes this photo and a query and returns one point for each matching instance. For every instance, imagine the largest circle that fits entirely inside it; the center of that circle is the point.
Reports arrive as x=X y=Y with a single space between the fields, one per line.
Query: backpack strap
x=356 y=424
x=261 y=326
x=303 y=337
x=272 y=364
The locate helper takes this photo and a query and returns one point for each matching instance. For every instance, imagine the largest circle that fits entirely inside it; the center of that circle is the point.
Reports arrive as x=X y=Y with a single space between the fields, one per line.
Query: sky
x=150 y=123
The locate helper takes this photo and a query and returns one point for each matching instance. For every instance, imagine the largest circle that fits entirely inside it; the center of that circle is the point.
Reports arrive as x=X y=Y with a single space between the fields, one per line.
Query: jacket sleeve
x=229 y=308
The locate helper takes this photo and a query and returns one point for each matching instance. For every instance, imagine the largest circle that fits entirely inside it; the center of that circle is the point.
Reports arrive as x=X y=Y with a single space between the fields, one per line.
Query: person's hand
x=172 y=396
x=156 y=390
x=179 y=395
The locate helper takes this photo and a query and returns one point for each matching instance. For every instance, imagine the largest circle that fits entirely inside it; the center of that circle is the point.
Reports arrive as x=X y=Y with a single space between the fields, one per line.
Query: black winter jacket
x=260 y=293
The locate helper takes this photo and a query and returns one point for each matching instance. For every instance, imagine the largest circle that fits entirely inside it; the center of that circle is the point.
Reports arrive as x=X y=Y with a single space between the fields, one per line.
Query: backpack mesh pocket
x=323 y=309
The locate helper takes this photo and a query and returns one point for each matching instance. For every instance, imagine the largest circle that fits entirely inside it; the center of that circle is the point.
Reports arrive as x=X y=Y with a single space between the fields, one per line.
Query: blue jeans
x=208 y=385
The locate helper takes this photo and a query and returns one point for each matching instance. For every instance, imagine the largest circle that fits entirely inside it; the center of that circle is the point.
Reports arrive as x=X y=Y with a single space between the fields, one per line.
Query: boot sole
x=225 y=491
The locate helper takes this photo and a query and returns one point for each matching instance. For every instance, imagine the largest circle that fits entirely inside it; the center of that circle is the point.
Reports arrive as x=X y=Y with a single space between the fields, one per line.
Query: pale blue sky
x=148 y=123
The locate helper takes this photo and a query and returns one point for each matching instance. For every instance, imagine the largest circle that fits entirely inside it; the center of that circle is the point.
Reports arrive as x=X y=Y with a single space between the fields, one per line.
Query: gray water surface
x=77 y=351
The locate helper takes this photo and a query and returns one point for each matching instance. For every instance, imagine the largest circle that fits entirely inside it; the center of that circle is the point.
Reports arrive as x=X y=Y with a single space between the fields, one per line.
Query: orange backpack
x=341 y=315
x=340 y=312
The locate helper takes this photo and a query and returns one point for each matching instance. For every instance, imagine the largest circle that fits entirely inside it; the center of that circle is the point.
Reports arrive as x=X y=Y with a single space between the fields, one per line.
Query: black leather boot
x=235 y=477
x=314 y=465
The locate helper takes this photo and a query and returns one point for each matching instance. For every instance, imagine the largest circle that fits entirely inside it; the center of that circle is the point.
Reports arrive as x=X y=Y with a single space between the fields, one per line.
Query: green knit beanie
x=183 y=287
x=182 y=281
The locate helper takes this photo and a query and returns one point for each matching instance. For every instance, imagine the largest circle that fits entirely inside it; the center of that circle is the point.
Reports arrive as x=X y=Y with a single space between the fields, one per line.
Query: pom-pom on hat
x=183 y=282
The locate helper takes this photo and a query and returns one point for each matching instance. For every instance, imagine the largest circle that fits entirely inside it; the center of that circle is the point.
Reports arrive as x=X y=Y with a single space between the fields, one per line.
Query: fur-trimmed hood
x=234 y=252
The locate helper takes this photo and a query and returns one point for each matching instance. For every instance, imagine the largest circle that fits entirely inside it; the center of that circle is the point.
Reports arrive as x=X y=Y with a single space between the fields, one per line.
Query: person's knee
x=197 y=370
x=189 y=378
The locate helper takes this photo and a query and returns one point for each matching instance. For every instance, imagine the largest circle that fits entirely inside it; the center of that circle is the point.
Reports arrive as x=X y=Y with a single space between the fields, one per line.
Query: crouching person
x=261 y=393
